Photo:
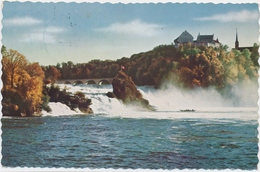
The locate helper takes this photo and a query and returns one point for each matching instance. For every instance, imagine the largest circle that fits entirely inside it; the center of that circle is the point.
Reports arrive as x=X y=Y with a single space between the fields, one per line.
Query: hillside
x=186 y=66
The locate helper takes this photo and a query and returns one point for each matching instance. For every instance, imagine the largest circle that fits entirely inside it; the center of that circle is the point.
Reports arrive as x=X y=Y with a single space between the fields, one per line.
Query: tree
x=34 y=69
x=4 y=51
x=255 y=54
x=24 y=81
x=13 y=62
x=52 y=73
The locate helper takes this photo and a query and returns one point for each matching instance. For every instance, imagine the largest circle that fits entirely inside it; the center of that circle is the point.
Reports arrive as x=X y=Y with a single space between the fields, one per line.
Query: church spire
x=236 y=43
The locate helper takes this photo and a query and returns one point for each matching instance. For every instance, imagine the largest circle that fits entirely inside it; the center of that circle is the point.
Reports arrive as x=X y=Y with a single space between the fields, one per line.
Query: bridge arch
x=99 y=81
x=90 y=82
x=77 y=82
x=103 y=82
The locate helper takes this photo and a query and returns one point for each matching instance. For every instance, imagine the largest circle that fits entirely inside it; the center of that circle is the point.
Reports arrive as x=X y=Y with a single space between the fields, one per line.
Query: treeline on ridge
x=186 y=66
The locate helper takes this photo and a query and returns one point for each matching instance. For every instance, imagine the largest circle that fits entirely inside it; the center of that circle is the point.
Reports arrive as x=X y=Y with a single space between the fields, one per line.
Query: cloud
x=39 y=37
x=21 y=21
x=233 y=16
x=135 y=27
x=47 y=35
x=52 y=29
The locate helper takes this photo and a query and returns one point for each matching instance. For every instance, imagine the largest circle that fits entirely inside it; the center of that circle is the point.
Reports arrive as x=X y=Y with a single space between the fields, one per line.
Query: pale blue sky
x=49 y=33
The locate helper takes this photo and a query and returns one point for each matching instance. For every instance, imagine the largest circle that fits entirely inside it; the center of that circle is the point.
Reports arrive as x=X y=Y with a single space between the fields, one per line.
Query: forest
x=186 y=66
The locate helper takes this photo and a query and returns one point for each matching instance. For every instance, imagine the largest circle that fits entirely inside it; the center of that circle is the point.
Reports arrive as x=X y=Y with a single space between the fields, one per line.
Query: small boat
x=187 y=110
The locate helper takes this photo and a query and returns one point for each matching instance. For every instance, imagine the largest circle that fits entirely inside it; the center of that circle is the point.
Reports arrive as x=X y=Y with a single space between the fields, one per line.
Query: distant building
x=184 y=38
x=241 y=48
x=207 y=40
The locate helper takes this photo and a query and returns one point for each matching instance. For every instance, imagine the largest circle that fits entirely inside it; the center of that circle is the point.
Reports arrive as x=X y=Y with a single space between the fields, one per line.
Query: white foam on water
x=208 y=113
x=207 y=103
x=59 y=109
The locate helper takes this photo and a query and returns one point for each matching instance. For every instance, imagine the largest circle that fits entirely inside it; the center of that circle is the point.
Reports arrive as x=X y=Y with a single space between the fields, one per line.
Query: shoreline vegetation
x=29 y=87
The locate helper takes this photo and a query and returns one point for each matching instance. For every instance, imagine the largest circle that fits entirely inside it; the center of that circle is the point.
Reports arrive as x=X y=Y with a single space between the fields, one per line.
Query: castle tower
x=236 y=43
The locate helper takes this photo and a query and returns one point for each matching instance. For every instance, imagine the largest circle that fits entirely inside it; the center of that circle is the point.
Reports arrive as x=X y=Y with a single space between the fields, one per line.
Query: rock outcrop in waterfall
x=124 y=89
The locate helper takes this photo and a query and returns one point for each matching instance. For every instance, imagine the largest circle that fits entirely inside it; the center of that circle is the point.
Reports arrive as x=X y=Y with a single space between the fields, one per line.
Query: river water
x=212 y=137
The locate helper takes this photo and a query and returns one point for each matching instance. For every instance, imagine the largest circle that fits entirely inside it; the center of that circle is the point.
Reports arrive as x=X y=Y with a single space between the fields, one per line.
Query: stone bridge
x=99 y=81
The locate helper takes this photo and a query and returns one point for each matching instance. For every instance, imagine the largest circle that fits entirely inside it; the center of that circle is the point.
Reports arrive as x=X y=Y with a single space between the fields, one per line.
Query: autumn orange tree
x=22 y=84
x=51 y=73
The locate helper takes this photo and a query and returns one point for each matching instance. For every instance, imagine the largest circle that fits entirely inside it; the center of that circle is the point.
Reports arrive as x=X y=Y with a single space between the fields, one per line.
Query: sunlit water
x=209 y=138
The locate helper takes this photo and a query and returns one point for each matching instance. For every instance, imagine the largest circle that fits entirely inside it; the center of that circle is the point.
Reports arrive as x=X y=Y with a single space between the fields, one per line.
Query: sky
x=51 y=33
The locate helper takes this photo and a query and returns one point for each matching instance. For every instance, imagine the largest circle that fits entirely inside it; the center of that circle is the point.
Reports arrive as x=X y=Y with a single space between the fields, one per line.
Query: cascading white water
x=168 y=101
x=60 y=109
x=100 y=102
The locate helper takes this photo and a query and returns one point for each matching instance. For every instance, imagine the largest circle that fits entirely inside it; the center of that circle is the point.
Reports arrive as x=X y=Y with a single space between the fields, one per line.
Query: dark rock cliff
x=124 y=89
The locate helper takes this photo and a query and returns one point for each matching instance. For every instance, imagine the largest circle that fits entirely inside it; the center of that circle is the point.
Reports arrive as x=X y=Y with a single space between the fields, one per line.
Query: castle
x=207 y=40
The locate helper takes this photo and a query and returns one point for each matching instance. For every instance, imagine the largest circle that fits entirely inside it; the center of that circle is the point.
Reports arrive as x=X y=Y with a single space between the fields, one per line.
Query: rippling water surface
x=99 y=141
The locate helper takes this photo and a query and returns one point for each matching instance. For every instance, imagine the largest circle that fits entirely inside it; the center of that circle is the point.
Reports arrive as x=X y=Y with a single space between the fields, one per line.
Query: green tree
x=255 y=55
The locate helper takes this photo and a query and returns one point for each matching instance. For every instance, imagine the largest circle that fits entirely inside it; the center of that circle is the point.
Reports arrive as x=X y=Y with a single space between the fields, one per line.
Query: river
x=216 y=136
